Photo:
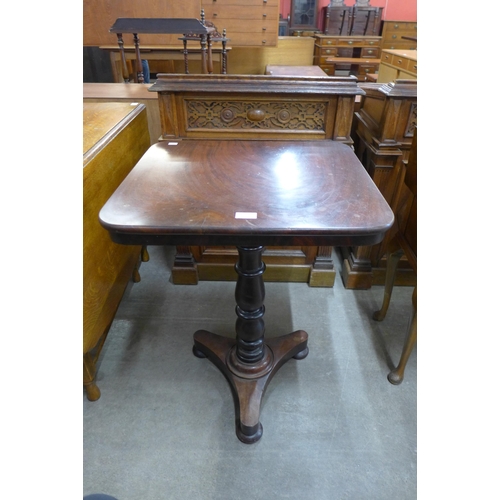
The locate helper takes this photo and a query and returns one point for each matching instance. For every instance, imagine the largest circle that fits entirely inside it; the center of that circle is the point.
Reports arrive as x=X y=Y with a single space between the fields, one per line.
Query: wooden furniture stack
x=115 y=136
x=342 y=55
x=251 y=23
x=257 y=107
x=364 y=20
x=383 y=133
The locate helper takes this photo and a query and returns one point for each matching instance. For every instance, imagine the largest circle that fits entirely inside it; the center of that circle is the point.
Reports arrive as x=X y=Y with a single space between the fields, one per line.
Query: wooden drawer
x=352 y=42
x=358 y=41
x=328 y=69
x=365 y=69
x=403 y=44
x=370 y=52
x=386 y=58
x=411 y=67
x=265 y=38
x=215 y=12
x=325 y=41
x=326 y=52
x=241 y=3
x=396 y=26
x=233 y=27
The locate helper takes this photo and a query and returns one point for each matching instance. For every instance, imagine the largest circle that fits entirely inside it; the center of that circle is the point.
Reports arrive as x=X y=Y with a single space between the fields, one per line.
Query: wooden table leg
x=138 y=61
x=125 y=74
x=186 y=62
x=210 y=64
x=248 y=362
x=203 y=44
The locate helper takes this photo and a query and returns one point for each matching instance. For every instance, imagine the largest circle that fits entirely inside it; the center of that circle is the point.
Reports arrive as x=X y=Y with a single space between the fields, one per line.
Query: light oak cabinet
x=399 y=35
x=397 y=65
x=247 y=22
x=115 y=136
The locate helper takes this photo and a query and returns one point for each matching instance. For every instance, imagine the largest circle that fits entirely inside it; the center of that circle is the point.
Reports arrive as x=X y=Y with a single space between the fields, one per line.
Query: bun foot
x=93 y=392
x=198 y=353
x=302 y=354
x=249 y=435
x=394 y=378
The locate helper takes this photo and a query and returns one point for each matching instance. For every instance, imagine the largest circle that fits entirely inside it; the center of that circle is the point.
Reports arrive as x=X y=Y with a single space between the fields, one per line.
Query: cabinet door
x=303 y=14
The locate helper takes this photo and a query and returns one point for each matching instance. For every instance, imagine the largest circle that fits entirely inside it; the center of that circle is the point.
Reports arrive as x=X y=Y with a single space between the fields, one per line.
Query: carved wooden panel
x=265 y=115
x=412 y=121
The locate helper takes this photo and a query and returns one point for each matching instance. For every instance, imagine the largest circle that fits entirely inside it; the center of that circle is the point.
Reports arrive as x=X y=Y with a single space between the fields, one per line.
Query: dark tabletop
x=157 y=25
x=231 y=192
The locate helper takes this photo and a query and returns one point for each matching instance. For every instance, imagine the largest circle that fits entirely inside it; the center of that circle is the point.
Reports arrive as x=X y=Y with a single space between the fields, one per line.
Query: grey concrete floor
x=334 y=427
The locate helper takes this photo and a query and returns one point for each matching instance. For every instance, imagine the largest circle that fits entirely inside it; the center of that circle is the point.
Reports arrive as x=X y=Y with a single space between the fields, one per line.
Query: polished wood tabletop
x=248 y=194
x=229 y=192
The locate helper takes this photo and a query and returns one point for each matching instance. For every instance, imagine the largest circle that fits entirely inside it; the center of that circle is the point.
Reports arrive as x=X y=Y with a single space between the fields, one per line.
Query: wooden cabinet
x=115 y=136
x=303 y=14
x=384 y=128
x=356 y=55
x=350 y=21
x=398 y=34
x=247 y=22
x=397 y=65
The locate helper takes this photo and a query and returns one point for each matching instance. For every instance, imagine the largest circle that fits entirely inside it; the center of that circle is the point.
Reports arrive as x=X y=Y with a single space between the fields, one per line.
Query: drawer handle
x=265 y=1
x=386 y=57
x=415 y=67
x=264 y=15
x=328 y=51
x=256 y=115
x=215 y=14
x=400 y=61
x=329 y=42
x=394 y=36
x=370 y=52
x=350 y=42
x=396 y=26
x=263 y=41
x=264 y=28
x=371 y=43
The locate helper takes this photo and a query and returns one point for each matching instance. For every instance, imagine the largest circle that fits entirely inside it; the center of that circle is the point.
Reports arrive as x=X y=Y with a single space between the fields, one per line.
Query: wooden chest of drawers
x=356 y=48
x=397 y=65
x=393 y=33
x=248 y=22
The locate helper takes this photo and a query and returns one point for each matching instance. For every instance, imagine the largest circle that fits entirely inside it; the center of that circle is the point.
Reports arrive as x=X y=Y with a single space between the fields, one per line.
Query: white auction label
x=245 y=215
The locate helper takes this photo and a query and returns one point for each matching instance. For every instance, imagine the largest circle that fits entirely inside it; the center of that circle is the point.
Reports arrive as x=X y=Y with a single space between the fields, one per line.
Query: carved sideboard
x=260 y=107
x=383 y=133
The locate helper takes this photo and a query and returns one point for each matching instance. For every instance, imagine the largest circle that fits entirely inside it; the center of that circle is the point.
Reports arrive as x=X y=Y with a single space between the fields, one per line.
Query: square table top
x=244 y=192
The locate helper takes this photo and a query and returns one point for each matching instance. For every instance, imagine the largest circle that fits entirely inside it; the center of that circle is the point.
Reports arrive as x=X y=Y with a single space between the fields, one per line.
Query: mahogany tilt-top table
x=248 y=194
